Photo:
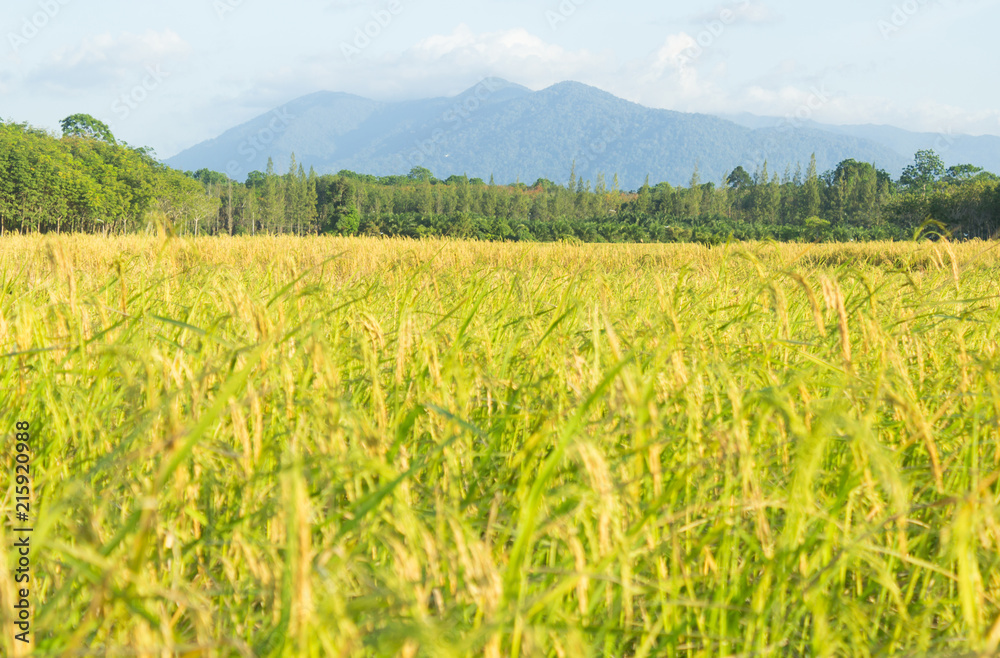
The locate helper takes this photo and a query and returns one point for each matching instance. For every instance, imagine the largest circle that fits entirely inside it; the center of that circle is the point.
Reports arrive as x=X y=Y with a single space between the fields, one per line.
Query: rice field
x=363 y=447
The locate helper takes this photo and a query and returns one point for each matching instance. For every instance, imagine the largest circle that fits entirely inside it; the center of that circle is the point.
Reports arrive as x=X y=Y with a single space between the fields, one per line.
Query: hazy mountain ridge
x=980 y=150
x=512 y=133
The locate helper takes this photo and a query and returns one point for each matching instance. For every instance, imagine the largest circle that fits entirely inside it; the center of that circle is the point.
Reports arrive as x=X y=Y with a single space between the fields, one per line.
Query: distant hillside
x=505 y=130
x=954 y=149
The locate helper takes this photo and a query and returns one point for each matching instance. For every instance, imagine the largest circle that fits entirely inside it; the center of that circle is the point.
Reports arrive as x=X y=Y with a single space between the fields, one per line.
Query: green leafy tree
x=208 y=177
x=644 y=200
x=812 y=198
x=295 y=187
x=962 y=173
x=272 y=201
x=816 y=228
x=255 y=179
x=84 y=125
x=311 y=200
x=421 y=174
x=855 y=192
x=926 y=169
x=739 y=179
x=349 y=221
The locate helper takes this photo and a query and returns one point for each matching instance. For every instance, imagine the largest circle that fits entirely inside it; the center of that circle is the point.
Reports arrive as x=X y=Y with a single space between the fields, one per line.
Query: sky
x=170 y=75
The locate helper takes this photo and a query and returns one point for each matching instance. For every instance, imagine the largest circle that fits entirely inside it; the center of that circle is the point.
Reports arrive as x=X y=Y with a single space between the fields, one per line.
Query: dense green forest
x=86 y=181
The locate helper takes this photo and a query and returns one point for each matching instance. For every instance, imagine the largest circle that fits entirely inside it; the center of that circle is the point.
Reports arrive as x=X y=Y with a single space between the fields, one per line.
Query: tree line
x=86 y=181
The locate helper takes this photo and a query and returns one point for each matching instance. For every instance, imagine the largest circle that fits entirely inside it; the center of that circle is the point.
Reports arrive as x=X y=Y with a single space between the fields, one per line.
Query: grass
x=356 y=447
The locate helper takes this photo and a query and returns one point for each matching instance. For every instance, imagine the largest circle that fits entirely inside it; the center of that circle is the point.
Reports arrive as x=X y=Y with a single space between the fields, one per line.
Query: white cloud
x=442 y=64
x=124 y=48
x=928 y=116
x=740 y=12
x=106 y=59
x=516 y=53
x=755 y=13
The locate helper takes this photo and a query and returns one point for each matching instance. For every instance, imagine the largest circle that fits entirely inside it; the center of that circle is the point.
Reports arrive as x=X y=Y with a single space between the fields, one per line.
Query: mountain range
x=506 y=131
